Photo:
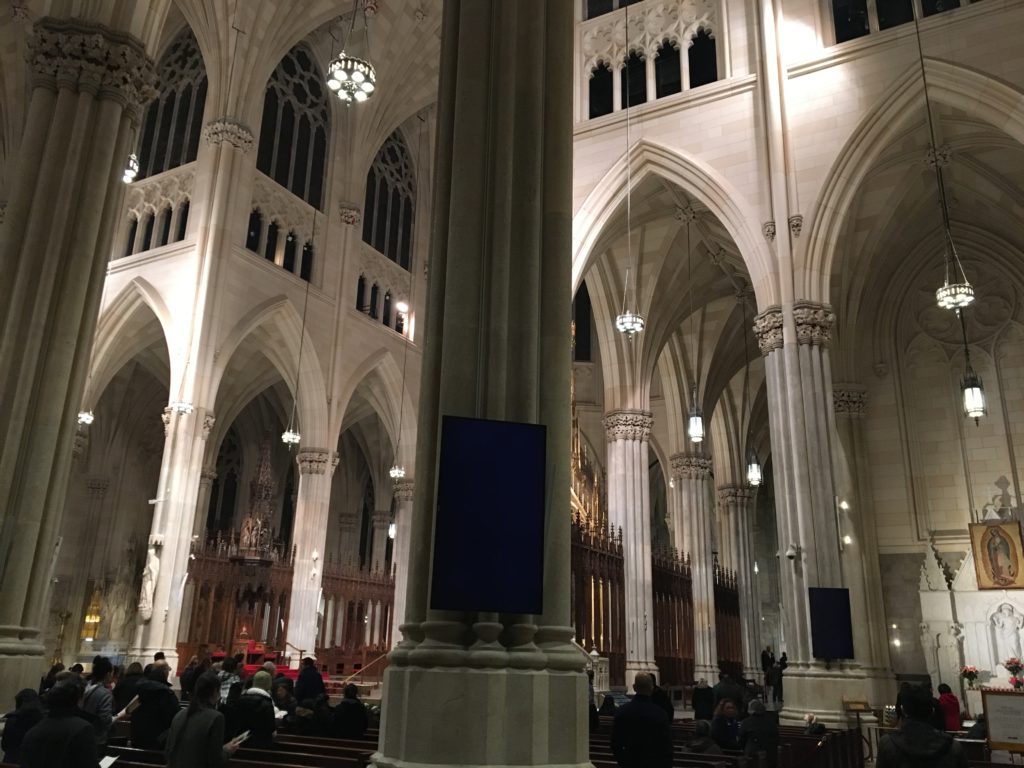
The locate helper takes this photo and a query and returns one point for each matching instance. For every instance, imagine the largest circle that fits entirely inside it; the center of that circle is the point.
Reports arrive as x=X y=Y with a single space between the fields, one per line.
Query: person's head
x=943 y=688
x=158 y=672
x=159 y=656
x=308 y=662
x=52 y=674
x=206 y=692
x=65 y=695
x=281 y=692
x=102 y=670
x=784 y=656
x=270 y=668
x=25 y=696
x=755 y=707
x=809 y=718
x=918 y=703
x=78 y=669
x=351 y=692
x=193 y=661
x=262 y=680
x=135 y=668
x=229 y=664
x=701 y=729
x=643 y=683
x=726 y=708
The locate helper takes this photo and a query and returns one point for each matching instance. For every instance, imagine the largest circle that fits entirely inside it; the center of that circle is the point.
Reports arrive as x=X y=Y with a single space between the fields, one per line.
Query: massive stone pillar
x=88 y=84
x=170 y=538
x=400 y=551
x=860 y=551
x=316 y=466
x=692 y=473
x=629 y=508
x=497 y=346
x=737 y=504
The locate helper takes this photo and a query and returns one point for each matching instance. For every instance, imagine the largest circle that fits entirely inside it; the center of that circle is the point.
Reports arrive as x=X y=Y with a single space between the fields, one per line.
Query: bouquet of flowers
x=1017 y=682
x=970 y=674
x=1014 y=666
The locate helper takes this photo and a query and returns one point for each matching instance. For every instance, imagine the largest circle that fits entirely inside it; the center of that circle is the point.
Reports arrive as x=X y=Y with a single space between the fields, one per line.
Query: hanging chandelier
x=352 y=78
x=971 y=390
x=397 y=472
x=86 y=417
x=290 y=437
x=132 y=170
x=959 y=293
x=753 y=466
x=629 y=322
x=695 y=426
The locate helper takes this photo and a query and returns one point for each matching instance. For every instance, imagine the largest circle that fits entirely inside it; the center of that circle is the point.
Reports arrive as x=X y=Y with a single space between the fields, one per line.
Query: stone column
x=88 y=84
x=348 y=540
x=316 y=466
x=400 y=551
x=737 y=502
x=379 y=548
x=170 y=539
x=206 y=478
x=629 y=508
x=83 y=552
x=693 y=477
x=860 y=554
x=497 y=346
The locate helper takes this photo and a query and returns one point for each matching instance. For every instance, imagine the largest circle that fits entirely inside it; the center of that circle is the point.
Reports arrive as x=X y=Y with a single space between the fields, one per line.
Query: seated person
x=157 y=707
x=350 y=717
x=254 y=711
x=702 y=743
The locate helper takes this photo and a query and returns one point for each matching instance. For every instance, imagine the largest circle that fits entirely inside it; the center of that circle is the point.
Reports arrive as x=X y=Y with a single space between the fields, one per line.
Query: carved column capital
x=350 y=214
x=208 y=421
x=90 y=58
x=735 y=495
x=849 y=401
x=628 y=425
x=207 y=476
x=768 y=329
x=768 y=228
x=225 y=129
x=404 y=489
x=813 y=323
x=692 y=466
x=315 y=461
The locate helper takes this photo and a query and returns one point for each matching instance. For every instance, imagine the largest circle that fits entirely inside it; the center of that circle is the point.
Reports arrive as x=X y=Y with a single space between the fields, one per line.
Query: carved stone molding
x=276 y=204
x=403 y=489
x=768 y=329
x=813 y=323
x=90 y=58
x=234 y=133
x=768 y=228
x=691 y=466
x=606 y=38
x=377 y=269
x=940 y=156
x=315 y=462
x=796 y=224
x=350 y=214
x=849 y=401
x=165 y=190
x=735 y=495
x=207 y=476
x=628 y=425
x=97 y=486
x=208 y=421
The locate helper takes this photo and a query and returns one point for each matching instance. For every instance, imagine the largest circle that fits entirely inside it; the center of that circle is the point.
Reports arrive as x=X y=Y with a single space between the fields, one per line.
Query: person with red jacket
x=950 y=706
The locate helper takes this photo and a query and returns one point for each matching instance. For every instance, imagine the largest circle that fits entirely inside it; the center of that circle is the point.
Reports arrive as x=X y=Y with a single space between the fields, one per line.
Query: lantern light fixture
x=695 y=427
x=754 y=471
x=392 y=530
x=351 y=77
x=86 y=418
x=132 y=170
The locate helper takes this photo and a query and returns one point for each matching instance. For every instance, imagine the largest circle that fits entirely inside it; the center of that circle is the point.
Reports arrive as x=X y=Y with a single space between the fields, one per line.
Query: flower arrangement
x=970 y=674
x=1017 y=682
x=1014 y=666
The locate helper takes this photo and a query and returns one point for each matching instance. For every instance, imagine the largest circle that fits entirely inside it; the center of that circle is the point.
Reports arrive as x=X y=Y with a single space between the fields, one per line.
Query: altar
x=964 y=625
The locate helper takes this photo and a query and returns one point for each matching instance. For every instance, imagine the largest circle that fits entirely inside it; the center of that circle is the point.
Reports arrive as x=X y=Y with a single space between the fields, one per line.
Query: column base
x=822 y=692
x=491 y=717
x=635 y=666
x=22 y=660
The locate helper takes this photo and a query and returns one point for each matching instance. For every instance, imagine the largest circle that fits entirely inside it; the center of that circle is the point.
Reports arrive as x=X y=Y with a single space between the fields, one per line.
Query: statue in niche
x=149 y=575
x=1008 y=624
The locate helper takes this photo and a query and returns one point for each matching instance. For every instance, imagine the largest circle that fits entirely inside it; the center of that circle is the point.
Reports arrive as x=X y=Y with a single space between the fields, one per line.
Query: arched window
x=164 y=229
x=850 y=18
x=601 y=101
x=306 y=270
x=290 y=248
x=361 y=294
x=634 y=81
x=148 y=224
x=293 y=134
x=182 y=219
x=390 y=197
x=174 y=120
x=271 y=247
x=703 y=59
x=668 y=76
x=133 y=230
x=252 y=234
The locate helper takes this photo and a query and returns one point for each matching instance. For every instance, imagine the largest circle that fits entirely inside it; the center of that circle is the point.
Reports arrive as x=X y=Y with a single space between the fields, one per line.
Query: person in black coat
x=63 y=739
x=759 y=736
x=725 y=727
x=702 y=743
x=661 y=698
x=350 y=718
x=28 y=711
x=126 y=686
x=157 y=707
x=703 y=701
x=642 y=733
x=254 y=711
x=916 y=743
x=50 y=680
x=310 y=684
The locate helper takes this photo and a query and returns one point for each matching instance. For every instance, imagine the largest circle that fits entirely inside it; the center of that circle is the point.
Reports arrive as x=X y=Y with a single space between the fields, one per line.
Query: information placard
x=1004 y=713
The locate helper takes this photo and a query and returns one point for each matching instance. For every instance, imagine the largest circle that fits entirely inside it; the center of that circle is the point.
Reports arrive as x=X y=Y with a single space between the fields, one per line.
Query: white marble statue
x=1007 y=623
x=149 y=575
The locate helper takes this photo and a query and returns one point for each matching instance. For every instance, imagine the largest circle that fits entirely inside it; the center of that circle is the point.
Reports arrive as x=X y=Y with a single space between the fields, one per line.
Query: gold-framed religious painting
x=998 y=554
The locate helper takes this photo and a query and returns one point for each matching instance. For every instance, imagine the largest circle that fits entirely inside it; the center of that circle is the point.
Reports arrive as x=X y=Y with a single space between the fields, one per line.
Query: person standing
x=661 y=698
x=703 y=701
x=775 y=681
x=99 y=701
x=950 y=706
x=350 y=718
x=767 y=659
x=63 y=739
x=196 y=737
x=157 y=707
x=310 y=684
x=916 y=743
x=127 y=685
x=28 y=711
x=641 y=732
